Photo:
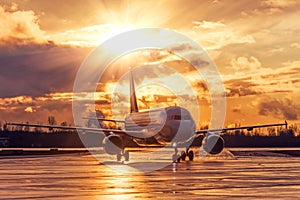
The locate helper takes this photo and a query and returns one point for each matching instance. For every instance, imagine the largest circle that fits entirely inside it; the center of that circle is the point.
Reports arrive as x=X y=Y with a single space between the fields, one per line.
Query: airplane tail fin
x=133 y=100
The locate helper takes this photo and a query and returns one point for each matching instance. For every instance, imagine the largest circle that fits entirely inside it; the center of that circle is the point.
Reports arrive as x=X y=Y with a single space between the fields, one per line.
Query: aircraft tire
x=183 y=155
x=126 y=155
x=191 y=155
x=119 y=156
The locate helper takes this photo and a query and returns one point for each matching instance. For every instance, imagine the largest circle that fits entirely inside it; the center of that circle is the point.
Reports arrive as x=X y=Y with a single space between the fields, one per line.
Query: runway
x=80 y=176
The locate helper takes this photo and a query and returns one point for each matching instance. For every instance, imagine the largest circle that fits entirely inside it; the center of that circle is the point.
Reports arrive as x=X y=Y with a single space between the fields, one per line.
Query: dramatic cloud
x=19 y=24
x=201 y=85
x=31 y=65
x=254 y=44
x=35 y=109
x=256 y=79
x=215 y=35
x=244 y=63
x=279 y=108
x=38 y=69
x=86 y=36
x=29 y=109
x=208 y=25
x=237 y=88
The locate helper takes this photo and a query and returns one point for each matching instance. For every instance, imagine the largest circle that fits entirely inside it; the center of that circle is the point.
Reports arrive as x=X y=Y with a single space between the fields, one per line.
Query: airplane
x=171 y=126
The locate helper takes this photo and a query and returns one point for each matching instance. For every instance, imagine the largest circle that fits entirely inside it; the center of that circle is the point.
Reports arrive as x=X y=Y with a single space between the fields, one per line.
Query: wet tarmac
x=80 y=176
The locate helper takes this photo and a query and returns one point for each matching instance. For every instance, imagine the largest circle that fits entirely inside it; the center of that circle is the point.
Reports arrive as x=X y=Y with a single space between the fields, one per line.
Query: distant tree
x=64 y=123
x=291 y=133
x=4 y=127
x=287 y=132
x=19 y=128
x=26 y=128
x=37 y=129
x=51 y=120
x=271 y=131
x=243 y=133
x=294 y=128
x=236 y=132
x=8 y=128
x=255 y=132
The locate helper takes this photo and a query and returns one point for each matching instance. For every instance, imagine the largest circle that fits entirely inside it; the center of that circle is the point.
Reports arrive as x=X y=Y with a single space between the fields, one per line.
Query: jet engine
x=213 y=144
x=113 y=144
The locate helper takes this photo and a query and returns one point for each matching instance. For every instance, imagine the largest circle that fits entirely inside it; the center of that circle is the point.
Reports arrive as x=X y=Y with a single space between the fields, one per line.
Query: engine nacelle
x=113 y=144
x=213 y=144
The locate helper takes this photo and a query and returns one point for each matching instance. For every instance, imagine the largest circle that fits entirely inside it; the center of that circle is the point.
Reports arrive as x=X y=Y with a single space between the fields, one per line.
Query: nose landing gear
x=176 y=157
x=123 y=153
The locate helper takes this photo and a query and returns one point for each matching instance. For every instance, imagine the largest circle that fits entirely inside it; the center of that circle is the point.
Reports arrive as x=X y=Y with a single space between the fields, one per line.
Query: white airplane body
x=169 y=126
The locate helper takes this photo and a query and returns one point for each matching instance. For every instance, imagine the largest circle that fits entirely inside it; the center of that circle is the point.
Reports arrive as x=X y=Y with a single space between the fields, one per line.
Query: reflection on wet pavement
x=78 y=176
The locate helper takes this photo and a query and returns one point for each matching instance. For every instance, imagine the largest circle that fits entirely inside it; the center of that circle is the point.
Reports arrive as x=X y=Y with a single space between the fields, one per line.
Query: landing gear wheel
x=126 y=155
x=119 y=156
x=183 y=155
x=191 y=155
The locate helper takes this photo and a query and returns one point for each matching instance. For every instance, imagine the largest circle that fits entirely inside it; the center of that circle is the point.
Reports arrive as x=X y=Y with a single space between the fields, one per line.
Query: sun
x=116 y=29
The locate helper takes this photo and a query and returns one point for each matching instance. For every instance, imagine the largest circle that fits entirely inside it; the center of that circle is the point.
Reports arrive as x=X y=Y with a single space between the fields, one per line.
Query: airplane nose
x=185 y=131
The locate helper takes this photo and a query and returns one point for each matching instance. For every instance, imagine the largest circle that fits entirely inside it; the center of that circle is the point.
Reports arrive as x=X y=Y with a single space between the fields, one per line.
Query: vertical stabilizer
x=133 y=101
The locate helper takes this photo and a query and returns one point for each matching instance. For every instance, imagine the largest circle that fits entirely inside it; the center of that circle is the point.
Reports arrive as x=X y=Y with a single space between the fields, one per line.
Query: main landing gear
x=123 y=153
x=176 y=157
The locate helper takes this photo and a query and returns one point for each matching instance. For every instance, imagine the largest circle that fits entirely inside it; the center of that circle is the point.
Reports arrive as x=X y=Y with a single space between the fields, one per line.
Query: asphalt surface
x=82 y=176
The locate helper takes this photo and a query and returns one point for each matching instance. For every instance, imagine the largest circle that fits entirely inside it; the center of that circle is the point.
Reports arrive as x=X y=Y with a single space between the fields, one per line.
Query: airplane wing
x=104 y=119
x=78 y=128
x=248 y=128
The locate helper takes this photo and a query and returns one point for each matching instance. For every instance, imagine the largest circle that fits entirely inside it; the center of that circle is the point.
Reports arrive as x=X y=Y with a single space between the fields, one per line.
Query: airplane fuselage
x=161 y=126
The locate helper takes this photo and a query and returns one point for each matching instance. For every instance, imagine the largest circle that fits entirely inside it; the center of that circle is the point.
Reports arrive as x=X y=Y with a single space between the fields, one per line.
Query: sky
x=254 y=43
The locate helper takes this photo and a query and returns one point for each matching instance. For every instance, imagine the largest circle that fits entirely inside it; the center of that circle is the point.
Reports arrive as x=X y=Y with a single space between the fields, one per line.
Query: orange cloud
x=29 y=109
x=279 y=108
x=215 y=35
x=20 y=24
x=208 y=25
x=295 y=45
x=249 y=77
x=36 y=109
x=255 y=49
x=242 y=64
x=86 y=36
x=279 y=3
